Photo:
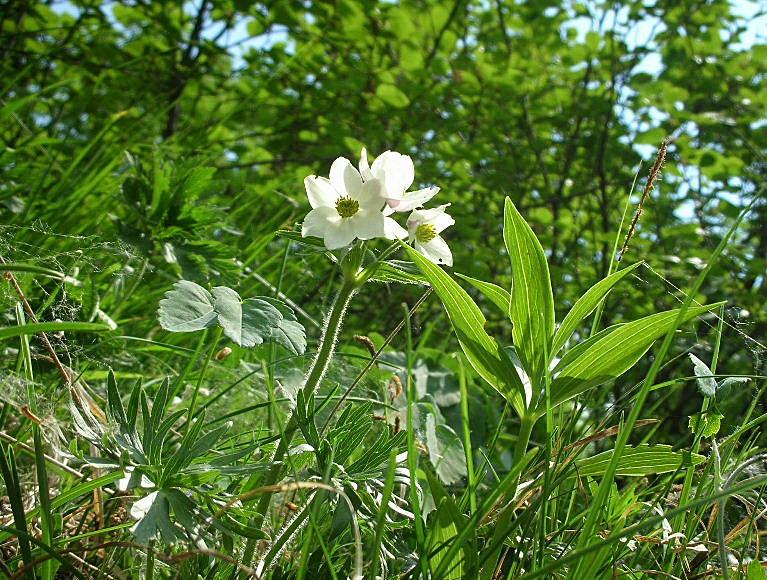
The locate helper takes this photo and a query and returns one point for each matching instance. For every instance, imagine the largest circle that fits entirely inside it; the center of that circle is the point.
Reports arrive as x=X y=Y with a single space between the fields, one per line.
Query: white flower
x=344 y=207
x=396 y=173
x=424 y=227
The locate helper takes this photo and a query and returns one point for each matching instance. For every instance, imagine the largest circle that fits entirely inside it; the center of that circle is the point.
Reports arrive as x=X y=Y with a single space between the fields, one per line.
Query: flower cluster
x=359 y=204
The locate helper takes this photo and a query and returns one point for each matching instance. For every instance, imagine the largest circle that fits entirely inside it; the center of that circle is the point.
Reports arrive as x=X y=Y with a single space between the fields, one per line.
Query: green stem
x=503 y=521
x=314 y=376
x=211 y=351
x=687 y=487
x=523 y=440
x=466 y=428
x=149 y=570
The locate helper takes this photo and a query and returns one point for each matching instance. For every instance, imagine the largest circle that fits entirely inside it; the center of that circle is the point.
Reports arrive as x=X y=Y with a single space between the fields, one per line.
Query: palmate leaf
x=246 y=322
x=288 y=331
x=446 y=451
x=612 y=353
x=189 y=307
x=639 y=461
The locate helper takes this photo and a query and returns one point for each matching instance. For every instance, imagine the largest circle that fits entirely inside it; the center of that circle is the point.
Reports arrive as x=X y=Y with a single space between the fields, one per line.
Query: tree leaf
x=483 y=352
x=612 y=354
x=247 y=322
x=393 y=96
x=639 y=461
x=585 y=305
x=187 y=308
x=531 y=307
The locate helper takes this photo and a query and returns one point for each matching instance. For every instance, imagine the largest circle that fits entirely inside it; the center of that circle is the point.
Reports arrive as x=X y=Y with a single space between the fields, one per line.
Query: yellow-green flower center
x=347 y=207
x=425 y=233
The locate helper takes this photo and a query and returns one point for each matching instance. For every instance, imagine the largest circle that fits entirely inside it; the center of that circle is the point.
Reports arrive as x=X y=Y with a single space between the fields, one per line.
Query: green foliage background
x=544 y=102
x=143 y=142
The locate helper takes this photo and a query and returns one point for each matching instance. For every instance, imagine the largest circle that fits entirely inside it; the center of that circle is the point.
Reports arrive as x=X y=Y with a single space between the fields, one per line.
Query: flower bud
x=223 y=353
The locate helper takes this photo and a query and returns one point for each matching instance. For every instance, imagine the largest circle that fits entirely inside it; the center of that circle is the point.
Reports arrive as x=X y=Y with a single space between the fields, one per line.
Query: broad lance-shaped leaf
x=585 y=305
x=442 y=531
x=246 y=322
x=639 y=461
x=612 y=354
x=497 y=295
x=187 y=308
x=483 y=352
x=532 y=303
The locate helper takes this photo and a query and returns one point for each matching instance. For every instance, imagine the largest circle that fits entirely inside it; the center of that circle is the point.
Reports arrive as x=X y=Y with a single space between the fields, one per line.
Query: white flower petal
x=413 y=199
x=320 y=192
x=318 y=220
x=344 y=177
x=414 y=220
x=437 y=251
x=396 y=171
x=369 y=195
x=140 y=508
x=368 y=224
x=393 y=231
x=399 y=175
x=339 y=234
x=441 y=220
x=380 y=161
x=364 y=167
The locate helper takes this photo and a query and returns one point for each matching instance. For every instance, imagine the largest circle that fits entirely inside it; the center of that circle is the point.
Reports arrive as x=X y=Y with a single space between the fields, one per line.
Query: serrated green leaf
x=288 y=331
x=705 y=378
x=639 y=461
x=187 y=308
x=705 y=424
x=155 y=511
x=246 y=322
x=725 y=386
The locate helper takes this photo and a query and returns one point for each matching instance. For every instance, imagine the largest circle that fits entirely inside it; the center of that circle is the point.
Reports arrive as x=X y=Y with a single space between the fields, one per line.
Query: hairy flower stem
x=314 y=376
